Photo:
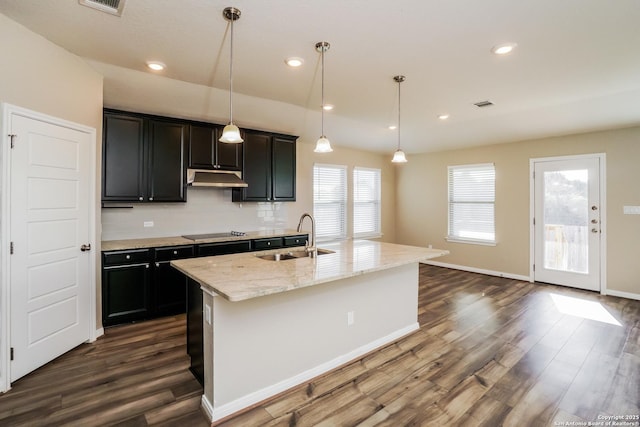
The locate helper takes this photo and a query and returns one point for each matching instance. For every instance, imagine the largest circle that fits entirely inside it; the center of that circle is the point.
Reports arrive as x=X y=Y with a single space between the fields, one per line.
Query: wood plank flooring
x=490 y=352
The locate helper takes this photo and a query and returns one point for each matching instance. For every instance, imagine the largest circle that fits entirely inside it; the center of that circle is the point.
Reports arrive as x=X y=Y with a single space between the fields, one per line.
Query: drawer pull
x=128 y=257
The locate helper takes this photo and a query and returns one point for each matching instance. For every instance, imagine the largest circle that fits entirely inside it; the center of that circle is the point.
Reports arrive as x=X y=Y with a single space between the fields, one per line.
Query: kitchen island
x=270 y=325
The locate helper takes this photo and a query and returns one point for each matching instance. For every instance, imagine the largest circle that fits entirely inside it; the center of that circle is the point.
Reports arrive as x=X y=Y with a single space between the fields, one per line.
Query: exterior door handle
x=85 y=248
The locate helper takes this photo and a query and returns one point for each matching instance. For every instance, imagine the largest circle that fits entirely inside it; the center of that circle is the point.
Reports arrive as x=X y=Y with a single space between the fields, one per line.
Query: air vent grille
x=113 y=7
x=482 y=104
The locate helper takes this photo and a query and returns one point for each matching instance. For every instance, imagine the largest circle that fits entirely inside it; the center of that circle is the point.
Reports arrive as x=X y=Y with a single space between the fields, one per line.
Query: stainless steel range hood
x=213 y=178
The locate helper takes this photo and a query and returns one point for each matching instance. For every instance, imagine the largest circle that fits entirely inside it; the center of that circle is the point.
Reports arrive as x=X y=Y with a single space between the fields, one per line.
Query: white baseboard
x=480 y=270
x=613 y=293
x=99 y=332
x=622 y=294
x=217 y=413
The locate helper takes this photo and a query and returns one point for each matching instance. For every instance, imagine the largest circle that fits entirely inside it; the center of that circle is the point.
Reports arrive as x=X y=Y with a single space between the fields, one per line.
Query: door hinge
x=534 y=221
x=534 y=267
x=11 y=358
x=11 y=138
x=11 y=248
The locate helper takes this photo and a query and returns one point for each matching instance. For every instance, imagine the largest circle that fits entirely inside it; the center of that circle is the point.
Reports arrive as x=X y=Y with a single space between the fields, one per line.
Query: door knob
x=594 y=208
x=85 y=248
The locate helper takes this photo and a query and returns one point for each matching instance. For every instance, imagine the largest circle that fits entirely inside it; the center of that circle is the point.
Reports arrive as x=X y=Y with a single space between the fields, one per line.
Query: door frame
x=8 y=110
x=602 y=160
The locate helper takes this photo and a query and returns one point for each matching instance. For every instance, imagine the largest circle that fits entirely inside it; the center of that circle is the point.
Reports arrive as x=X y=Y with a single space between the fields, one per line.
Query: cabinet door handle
x=157 y=264
x=150 y=199
x=140 y=198
x=128 y=256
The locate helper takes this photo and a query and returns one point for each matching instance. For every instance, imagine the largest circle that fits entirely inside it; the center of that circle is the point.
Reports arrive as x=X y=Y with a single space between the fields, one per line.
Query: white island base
x=259 y=347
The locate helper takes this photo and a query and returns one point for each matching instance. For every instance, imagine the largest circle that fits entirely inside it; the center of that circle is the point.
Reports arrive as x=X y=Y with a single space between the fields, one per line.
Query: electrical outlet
x=351 y=318
x=148 y=223
x=207 y=313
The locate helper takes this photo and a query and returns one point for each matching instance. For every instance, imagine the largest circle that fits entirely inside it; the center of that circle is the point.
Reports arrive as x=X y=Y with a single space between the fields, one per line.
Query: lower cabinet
x=195 y=346
x=169 y=285
x=126 y=286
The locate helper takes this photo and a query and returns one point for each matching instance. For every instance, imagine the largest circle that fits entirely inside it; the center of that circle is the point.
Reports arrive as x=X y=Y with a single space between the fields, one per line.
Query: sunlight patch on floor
x=583 y=308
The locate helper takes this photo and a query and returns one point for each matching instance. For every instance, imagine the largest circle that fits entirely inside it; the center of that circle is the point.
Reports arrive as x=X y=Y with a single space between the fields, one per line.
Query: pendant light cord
x=399 y=113
x=231 y=75
x=322 y=106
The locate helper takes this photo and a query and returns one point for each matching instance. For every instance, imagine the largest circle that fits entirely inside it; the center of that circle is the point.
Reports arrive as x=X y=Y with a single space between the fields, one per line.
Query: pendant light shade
x=231 y=133
x=398 y=156
x=322 y=145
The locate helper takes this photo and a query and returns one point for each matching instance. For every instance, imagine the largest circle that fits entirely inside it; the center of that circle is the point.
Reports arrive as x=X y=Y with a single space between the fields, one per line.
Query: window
x=366 y=202
x=330 y=201
x=472 y=203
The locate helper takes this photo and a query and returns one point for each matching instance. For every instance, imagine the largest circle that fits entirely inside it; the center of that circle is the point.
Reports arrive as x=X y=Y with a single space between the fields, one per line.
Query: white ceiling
x=576 y=67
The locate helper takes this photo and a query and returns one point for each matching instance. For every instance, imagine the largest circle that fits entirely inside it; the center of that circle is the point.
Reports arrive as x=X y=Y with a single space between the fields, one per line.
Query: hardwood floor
x=134 y=375
x=490 y=351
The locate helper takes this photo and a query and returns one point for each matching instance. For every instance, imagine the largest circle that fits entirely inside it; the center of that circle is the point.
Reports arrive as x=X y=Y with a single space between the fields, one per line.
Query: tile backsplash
x=208 y=210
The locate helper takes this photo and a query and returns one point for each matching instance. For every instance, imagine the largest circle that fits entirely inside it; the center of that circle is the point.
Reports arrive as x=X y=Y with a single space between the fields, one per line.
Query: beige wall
x=421 y=211
x=36 y=74
x=349 y=157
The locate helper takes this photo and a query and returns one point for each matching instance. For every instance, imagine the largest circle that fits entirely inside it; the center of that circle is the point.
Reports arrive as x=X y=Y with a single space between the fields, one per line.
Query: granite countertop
x=156 y=242
x=244 y=276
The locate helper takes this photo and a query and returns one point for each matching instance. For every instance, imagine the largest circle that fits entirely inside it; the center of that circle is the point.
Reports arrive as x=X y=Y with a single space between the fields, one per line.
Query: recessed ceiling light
x=503 y=49
x=294 y=62
x=443 y=116
x=393 y=127
x=327 y=107
x=156 y=66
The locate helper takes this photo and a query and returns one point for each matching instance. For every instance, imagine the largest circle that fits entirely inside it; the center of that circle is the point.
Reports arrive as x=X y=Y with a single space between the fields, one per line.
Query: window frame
x=342 y=202
x=480 y=200
x=377 y=202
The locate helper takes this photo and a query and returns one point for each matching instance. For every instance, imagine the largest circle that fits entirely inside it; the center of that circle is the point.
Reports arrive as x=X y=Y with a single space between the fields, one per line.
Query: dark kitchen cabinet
x=269 y=168
x=206 y=152
x=166 y=168
x=144 y=158
x=223 y=248
x=195 y=346
x=267 y=243
x=126 y=291
x=283 y=173
x=299 y=240
x=169 y=285
x=122 y=158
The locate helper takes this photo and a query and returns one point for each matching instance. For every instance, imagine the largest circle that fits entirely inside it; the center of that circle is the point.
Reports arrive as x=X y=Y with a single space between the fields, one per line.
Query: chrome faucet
x=309 y=247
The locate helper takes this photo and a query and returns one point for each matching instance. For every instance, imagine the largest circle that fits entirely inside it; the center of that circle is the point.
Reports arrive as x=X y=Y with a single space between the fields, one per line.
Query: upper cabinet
x=269 y=168
x=123 y=158
x=206 y=152
x=144 y=158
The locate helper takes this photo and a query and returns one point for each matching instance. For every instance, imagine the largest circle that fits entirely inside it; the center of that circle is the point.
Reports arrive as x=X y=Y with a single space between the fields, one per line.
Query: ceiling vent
x=113 y=7
x=482 y=104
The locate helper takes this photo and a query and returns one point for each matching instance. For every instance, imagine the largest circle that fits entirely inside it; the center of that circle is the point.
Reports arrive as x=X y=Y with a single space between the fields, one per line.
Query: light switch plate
x=148 y=224
x=631 y=210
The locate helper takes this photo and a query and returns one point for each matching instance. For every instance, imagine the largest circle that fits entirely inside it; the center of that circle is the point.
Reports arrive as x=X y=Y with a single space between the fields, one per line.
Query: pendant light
x=231 y=133
x=323 y=145
x=398 y=156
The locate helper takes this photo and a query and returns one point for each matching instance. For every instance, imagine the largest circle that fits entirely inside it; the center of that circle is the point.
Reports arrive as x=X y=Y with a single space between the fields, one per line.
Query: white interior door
x=49 y=273
x=567 y=218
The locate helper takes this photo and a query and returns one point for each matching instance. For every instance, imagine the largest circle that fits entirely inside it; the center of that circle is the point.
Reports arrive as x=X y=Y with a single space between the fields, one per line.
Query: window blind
x=472 y=203
x=330 y=201
x=366 y=202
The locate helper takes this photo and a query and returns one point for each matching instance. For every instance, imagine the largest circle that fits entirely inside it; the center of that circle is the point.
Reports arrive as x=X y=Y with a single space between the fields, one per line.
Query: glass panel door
x=567 y=222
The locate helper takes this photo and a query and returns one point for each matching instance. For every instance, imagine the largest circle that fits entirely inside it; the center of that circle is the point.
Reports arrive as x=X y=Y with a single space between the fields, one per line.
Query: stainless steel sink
x=282 y=256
